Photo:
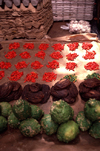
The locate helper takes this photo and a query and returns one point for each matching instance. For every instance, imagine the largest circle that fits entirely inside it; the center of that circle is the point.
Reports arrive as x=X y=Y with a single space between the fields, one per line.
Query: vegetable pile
x=89 y=119
x=31 y=120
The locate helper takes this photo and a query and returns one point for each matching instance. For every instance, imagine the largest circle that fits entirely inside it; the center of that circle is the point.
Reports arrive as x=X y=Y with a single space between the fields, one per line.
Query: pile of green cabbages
x=31 y=120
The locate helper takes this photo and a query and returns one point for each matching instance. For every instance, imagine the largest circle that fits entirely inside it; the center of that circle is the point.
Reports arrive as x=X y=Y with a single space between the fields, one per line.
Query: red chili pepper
x=91 y=66
x=5 y=65
x=32 y=76
x=89 y=55
x=25 y=55
x=11 y=54
x=43 y=46
x=56 y=55
x=49 y=76
x=58 y=46
x=53 y=65
x=28 y=46
x=71 y=56
x=15 y=75
x=73 y=46
x=71 y=65
x=36 y=65
x=2 y=74
x=21 y=65
x=40 y=54
x=87 y=45
x=14 y=45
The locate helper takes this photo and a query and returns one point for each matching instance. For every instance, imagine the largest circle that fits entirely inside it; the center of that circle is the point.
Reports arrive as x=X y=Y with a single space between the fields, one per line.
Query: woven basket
x=72 y=9
x=30 y=23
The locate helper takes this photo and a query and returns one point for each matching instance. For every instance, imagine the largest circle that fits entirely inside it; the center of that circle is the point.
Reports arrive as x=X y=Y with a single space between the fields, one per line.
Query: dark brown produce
x=59 y=94
x=13 y=91
x=1 y=47
x=46 y=91
x=25 y=91
x=54 y=98
x=82 y=88
x=68 y=93
x=91 y=94
x=73 y=92
x=91 y=83
x=35 y=87
x=62 y=84
x=39 y=95
x=36 y=93
x=35 y=97
x=16 y=86
x=5 y=89
x=69 y=99
x=90 y=88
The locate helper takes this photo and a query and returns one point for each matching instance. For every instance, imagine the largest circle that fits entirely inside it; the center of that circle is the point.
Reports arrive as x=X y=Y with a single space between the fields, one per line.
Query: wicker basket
x=72 y=9
x=30 y=23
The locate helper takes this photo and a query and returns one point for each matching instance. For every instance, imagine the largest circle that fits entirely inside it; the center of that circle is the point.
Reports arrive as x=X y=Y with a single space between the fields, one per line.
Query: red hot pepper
x=36 y=65
x=53 y=65
x=49 y=76
x=2 y=74
x=71 y=65
x=56 y=55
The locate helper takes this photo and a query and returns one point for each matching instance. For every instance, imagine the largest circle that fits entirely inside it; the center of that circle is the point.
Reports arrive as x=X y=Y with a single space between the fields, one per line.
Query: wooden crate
x=30 y=23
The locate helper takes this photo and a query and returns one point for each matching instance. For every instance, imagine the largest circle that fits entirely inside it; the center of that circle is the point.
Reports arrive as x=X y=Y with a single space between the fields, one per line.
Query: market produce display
x=90 y=88
x=83 y=123
x=3 y=124
x=5 y=109
x=92 y=109
x=10 y=91
x=95 y=130
x=36 y=93
x=29 y=127
x=64 y=89
x=36 y=112
x=65 y=70
x=67 y=131
x=89 y=118
x=22 y=109
x=13 y=121
x=48 y=125
x=61 y=111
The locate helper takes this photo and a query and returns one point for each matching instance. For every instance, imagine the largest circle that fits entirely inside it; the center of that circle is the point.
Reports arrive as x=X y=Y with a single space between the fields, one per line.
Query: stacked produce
x=21 y=115
x=25 y=22
x=90 y=87
x=10 y=91
x=31 y=120
x=64 y=89
x=36 y=93
x=89 y=119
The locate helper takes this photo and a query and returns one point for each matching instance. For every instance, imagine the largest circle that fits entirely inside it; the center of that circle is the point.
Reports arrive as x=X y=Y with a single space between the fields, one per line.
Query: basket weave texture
x=72 y=9
x=30 y=23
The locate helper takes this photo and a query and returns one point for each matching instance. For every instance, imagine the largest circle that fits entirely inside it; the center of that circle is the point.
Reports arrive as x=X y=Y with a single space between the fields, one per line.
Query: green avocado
x=29 y=127
x=13 y=121
x=67 y=131
x=83 y=123
x=95 y=130
x=48 y=125
x=3 y=123
x=36 y=112
x=6 y=108
x=92 y=110
x=61 y=112
x=22 y=109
